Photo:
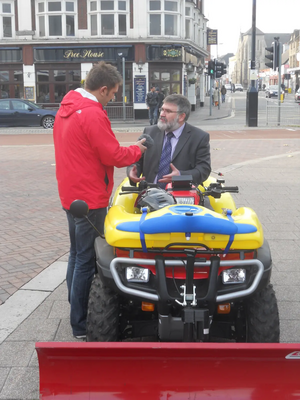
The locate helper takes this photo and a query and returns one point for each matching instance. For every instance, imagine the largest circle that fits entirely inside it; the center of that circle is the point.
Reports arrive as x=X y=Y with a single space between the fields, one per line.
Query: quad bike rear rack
x=173 y=371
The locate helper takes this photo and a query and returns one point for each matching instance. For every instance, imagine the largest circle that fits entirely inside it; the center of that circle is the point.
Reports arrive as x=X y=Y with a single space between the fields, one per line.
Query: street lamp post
x=252 y=93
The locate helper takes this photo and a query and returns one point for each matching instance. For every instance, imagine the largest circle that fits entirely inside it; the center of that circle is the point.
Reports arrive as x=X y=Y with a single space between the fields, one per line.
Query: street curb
x=28 y=298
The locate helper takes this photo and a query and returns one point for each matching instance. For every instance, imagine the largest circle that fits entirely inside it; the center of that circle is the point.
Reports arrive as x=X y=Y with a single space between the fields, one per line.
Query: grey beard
x=169 y=127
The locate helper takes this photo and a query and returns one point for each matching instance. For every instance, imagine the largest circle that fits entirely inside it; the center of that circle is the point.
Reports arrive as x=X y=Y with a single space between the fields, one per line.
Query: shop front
x=44 y=74
x=165 y=67
x=60 y=69
x=11 y=73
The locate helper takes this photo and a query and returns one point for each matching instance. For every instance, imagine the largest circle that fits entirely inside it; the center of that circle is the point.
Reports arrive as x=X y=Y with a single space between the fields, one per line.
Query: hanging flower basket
x=192 y=81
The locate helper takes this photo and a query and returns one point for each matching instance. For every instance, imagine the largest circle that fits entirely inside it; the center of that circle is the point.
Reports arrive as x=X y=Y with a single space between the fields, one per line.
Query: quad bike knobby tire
x=262 y=318
x=103 y=313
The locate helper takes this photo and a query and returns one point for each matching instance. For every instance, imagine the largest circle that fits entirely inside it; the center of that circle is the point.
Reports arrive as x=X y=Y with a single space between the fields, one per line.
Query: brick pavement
x=33 y=231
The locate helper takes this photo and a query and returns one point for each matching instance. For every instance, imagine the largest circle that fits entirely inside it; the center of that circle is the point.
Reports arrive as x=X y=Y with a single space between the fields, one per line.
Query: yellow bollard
x=281 y=97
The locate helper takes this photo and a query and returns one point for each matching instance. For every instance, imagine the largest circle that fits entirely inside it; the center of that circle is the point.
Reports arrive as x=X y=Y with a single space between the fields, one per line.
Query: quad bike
x=174 y=273
x=171 y=269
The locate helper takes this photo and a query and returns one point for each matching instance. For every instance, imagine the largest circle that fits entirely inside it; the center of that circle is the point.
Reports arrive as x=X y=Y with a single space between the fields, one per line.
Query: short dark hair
x=102 y=74
x=182 y=102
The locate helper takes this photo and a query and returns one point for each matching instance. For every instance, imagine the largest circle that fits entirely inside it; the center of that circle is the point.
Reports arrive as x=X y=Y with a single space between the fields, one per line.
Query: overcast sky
x=230 y=17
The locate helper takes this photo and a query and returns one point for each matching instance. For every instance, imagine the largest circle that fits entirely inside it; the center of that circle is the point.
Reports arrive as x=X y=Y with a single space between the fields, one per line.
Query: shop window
x=59 y=93
x=111 y=19
x=6 y=20
x=42 y=76
x=59 y=75
x=163 y=18
x=175 y=88
x=56 y=18
x=11 y=82
x=155 y=76
x=165 y=76
x=53 y=84
x=42 y=93
x=18 y=76
x=176 y=75
x=74 y=86
x=4 y=76
x=168 y=80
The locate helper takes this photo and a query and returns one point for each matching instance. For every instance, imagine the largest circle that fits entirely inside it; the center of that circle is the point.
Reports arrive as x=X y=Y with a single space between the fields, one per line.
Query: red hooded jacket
x=86 y=151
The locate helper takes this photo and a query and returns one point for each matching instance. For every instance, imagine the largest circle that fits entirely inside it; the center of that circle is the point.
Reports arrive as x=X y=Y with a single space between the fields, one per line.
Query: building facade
x=266 y=76
x=48 y=47
x=294 y=60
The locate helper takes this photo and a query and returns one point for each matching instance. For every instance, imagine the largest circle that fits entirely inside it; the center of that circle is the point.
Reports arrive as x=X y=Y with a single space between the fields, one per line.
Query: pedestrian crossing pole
x=210 y=95
x=279 y=80
x=252 y=93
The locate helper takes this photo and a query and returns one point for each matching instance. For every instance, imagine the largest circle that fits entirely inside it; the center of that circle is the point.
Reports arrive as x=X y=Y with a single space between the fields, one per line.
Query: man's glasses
x=167 y=111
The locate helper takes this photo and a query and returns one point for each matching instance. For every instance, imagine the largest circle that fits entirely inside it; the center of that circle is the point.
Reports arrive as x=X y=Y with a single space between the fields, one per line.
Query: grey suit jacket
x=191 y=155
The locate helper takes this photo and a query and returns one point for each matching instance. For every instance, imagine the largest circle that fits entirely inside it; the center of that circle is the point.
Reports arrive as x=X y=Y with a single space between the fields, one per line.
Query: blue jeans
x=152 y=115
x=81 y=265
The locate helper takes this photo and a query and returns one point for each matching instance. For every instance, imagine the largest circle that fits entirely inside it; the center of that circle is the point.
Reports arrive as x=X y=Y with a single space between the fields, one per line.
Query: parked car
x=228 y=87
x=17 y=112
x=297 y=96
x=238 y=87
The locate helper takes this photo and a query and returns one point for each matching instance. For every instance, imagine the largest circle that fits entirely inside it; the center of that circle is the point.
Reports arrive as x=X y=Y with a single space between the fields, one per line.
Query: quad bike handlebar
x=214 y=189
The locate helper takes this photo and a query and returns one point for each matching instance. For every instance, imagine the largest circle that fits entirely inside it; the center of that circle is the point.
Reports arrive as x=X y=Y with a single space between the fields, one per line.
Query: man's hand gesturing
x=133 y=175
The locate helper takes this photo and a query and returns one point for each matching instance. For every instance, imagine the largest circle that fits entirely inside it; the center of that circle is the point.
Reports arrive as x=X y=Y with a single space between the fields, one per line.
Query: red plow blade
x=168 y=371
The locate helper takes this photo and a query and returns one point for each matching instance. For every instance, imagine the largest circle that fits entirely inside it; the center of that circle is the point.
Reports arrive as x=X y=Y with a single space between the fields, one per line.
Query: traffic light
x=211 y=68
x=224 y=70
x=219 y=69
x=273 y=56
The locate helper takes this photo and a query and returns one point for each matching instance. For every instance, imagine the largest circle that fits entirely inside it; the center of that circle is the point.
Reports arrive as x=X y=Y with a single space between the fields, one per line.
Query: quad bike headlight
x=136 y=274
x=234 y=275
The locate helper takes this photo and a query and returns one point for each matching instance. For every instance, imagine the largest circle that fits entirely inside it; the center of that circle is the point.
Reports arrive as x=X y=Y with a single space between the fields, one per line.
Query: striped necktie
x=165 y=159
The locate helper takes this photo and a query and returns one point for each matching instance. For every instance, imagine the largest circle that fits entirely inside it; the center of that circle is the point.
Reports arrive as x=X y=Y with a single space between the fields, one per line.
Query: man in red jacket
x=86 y=151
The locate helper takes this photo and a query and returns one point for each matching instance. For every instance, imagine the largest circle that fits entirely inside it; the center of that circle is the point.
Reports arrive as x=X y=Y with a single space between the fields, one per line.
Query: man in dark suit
x=190 y=148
